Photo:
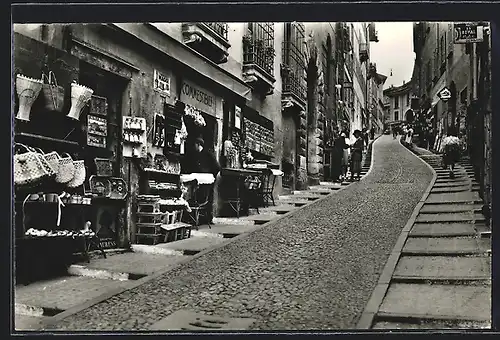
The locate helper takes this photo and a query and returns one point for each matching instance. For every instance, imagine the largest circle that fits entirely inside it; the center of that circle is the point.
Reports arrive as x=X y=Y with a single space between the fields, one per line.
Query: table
x=233 y=186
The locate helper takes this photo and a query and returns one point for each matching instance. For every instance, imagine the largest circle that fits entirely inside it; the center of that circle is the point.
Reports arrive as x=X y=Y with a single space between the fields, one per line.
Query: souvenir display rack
x=160 y=204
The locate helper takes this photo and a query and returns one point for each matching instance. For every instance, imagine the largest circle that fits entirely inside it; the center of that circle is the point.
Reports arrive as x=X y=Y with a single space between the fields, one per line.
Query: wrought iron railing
x=258 y=53
x=292 y=70
x=221 y=28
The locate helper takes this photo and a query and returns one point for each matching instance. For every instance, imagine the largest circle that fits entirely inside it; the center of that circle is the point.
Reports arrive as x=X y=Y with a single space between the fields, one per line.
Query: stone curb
x=107 y=295
x=373 y=305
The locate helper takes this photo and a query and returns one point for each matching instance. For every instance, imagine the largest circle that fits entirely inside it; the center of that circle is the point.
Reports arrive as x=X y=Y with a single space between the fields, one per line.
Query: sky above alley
x=394 y=51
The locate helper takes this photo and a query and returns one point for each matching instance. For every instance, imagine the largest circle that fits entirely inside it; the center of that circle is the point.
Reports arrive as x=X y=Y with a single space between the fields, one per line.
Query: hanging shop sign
x=161 y=83
x=198 y=97
x=468 y=32
x=444 y=94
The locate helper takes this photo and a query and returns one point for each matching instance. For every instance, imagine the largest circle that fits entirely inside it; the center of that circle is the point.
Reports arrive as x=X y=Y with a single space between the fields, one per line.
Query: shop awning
x=186 y=56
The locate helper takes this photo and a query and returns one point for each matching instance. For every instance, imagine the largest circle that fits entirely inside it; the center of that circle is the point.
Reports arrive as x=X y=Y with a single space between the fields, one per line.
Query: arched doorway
x=409 y=116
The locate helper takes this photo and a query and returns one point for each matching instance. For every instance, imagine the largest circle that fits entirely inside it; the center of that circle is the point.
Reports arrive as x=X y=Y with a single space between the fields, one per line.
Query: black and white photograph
x=252 y=176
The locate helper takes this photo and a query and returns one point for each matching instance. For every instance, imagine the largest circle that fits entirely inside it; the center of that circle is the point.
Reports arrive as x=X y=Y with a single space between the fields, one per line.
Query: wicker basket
x=53 y=94
x=66 y=170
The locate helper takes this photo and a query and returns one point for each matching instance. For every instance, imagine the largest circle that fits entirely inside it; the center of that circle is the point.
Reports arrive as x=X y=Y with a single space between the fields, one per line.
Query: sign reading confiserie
x=198 y=97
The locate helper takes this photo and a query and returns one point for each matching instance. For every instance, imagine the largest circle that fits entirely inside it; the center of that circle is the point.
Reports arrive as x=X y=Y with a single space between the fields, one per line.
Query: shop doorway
x=108 y=220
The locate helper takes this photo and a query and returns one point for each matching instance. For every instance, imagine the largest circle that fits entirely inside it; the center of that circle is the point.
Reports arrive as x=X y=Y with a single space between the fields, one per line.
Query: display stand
x=160 y=208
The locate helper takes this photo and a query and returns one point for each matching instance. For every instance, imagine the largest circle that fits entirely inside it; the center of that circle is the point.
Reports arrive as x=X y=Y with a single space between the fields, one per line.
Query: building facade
x=280 y=91
x=399 y=99
x=464 y=68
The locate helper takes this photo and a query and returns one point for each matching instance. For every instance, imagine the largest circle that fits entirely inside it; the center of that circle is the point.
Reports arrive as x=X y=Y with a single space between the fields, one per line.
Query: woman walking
x=345 y=154
x=356 y=155
x=451 y=153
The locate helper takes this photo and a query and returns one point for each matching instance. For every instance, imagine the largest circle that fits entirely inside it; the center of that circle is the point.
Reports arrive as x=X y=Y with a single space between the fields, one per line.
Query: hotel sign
x=198 y=97
x=468 y=32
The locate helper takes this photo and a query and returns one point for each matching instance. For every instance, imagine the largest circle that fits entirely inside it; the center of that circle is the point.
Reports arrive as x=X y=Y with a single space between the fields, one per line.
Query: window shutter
x=451 y=44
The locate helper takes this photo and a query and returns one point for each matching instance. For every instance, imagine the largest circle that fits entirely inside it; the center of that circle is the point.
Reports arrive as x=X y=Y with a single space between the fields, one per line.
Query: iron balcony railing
x=293 y=69
x=221 y=28
x=258 y=53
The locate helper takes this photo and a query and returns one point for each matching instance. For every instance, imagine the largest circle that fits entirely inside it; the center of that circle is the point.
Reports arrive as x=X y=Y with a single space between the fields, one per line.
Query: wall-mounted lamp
x=338 y=86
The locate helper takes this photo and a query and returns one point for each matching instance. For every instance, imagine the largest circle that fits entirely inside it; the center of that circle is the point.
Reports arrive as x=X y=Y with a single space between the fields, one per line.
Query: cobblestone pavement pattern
x=312 y=270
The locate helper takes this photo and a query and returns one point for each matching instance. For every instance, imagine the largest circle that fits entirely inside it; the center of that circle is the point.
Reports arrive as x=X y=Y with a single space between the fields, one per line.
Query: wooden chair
x=267 y=187
x=199 y=203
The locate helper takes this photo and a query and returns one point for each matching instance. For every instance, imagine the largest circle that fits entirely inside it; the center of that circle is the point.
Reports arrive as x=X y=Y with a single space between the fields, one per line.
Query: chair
x=267 y=187
x=199 y=203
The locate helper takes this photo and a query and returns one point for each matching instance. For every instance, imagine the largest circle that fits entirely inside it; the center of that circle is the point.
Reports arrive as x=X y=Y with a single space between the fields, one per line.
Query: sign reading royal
x=468 y=32
x=198 y=97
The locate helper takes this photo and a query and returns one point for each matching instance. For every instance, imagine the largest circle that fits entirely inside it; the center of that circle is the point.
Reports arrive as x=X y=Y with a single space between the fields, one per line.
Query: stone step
x=449 y=217
x=447 y=208
x=297 y=202
x=230 y=221
x=335 y=186
x=278 y=209
x=315 y=192
x=438 y=302
x=442 y=230
x=192 y=245
x=455 y=197
x=439 y=268
x=304 y=196
x=451 y=189
x=51 y=297
x=452 y=184
x=261 y=218
x=122 y=267
x=444 y=246
x=229 y=231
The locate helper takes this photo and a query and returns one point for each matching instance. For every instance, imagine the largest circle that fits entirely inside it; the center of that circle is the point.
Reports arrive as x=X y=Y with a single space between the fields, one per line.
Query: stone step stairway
x=442 y=277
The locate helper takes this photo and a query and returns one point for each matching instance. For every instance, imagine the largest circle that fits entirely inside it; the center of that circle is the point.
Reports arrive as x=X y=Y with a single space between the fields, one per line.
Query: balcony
x=363 y=52
x=208 y=38
x=292 y=74
x=372 y=33
x=258 y=65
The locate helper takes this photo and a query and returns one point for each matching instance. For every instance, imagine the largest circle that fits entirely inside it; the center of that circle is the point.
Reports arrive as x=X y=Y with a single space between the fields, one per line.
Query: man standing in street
x=203 y=161
x=372 y=133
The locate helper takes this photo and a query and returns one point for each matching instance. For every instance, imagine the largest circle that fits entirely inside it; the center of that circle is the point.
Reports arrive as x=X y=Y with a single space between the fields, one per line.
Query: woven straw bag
x=52 y=158
x=52 y=93
x=66 y=170
x=28 y=168
x=50 y=171
x=79 y=177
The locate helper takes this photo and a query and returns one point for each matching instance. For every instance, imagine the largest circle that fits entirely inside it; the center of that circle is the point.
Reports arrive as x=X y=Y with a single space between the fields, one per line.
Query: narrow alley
x=268 y=275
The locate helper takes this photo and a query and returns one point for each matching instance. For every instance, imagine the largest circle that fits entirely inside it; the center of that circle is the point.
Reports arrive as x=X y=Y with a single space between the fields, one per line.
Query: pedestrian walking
x=451 y=152
x=365 y=138
x=372 y=133
x=356 y=155
x=339 y=146
x=345 y=154
x=394 y=132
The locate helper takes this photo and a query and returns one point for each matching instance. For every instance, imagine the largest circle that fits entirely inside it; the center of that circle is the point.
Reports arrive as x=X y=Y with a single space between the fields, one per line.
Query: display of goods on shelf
x=100 y=185
x=30 y=167
x=80 y=96
x=195 y=115
x=104 y=167
x=148 y=198
x=80 y=173
x=60 y=233
x=53 y=94
x=76 y=199
x=97 y=125
x=134 y=137
x=27 y=90
x=163 y=186
x=98 y=105
x=66 y=169
x=119 y=190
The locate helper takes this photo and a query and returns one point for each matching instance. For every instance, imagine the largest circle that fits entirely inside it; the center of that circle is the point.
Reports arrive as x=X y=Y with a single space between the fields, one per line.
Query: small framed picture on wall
x=237 y=117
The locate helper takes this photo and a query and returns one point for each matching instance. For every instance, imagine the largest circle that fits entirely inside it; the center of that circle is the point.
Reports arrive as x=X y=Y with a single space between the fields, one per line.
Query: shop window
x=293 y=60
x=259 y=46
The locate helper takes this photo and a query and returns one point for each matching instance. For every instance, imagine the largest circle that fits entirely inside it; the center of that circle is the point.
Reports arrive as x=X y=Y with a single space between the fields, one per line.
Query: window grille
x=293 y=60
x=221 y=28
x=258 y=47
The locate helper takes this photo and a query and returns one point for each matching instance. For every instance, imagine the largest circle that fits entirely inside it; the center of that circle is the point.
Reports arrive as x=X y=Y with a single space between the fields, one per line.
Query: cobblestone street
x=312 y=270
